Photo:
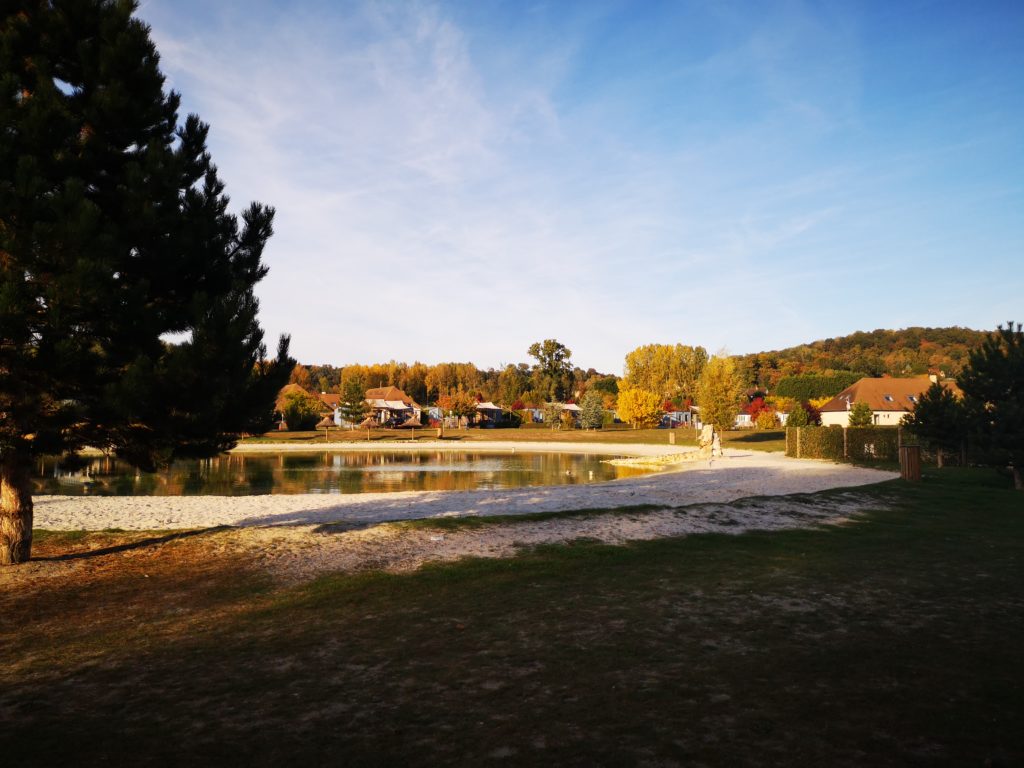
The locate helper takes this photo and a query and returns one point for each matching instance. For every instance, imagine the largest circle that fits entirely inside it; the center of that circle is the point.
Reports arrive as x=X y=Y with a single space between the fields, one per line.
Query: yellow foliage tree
x=639 y=407
x=668 y=370
x=719 y=392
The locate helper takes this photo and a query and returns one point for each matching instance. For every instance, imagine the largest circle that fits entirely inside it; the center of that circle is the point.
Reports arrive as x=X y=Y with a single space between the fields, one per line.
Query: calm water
x=366 y=472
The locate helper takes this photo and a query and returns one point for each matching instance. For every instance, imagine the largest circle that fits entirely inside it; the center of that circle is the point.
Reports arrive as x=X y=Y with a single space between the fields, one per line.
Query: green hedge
x=862 y=443
x=809 y=386
x=872 y=443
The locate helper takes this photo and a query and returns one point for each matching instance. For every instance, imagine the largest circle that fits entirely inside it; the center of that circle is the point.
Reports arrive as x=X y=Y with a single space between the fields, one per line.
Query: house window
x=912 y=398
x=888 y=398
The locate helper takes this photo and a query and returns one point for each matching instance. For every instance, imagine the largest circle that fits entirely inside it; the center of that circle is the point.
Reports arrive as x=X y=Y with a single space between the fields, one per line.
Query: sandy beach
x=738 y=475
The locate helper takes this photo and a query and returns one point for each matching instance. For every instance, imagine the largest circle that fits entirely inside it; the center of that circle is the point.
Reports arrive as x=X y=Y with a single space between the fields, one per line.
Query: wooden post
x=798 y=441
x=910 y=463
x=671 y=438
x=846 y=445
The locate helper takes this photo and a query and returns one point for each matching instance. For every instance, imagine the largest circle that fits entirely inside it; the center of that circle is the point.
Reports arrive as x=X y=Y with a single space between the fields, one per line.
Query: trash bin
x=910 y=463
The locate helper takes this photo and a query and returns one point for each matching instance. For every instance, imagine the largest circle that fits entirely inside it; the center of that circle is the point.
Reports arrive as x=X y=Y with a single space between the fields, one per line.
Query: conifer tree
x=592 y=410
x=115 y=239
x=993 y=386
x=938 y=420
x=354 y=407
x=860 y=415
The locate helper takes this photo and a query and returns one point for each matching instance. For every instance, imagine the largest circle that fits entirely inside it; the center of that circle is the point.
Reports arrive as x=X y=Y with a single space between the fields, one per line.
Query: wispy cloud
x=448 y=188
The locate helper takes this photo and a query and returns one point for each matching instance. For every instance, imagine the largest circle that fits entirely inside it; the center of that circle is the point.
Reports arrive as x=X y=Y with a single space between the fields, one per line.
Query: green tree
x=114 y=238
x=719 y=393
x=861 y=415
x=553 y=368
x=993 y=387
x=592 y=410
x=938 y=420
x=354 y=408
x=301 y=411
x=798 y=416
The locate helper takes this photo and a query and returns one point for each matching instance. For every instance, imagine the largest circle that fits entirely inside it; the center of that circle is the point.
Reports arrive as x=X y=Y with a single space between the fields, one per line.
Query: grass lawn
x=891 y=641
x=772 y=440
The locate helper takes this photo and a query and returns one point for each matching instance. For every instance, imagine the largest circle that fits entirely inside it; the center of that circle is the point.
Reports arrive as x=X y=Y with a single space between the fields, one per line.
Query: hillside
x=906 y=352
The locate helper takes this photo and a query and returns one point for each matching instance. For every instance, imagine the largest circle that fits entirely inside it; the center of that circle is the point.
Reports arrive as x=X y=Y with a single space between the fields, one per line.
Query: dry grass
x=891 y=642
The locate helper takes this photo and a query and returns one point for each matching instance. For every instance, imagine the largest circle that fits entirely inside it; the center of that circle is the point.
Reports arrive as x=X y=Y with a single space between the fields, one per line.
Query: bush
x=301 y=411
x=798 y=417
x=766 y=419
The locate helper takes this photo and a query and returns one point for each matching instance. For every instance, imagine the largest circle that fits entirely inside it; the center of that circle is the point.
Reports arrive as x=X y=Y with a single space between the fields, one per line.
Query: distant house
x=890 y=399
x=488 y=414
x=390 y=405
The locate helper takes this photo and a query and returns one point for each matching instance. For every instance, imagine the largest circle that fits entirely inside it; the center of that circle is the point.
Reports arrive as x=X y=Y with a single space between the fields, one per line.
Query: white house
x=890 y=399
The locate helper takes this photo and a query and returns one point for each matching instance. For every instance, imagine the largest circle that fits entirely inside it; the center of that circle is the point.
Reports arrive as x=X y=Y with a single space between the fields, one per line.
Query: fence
x=849 y=443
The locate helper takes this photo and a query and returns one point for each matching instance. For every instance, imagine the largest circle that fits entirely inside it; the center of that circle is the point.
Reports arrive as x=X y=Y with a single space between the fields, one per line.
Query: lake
x=241 y=474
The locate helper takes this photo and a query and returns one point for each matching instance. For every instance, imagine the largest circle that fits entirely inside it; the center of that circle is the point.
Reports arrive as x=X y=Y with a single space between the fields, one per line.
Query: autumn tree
x=639 y=407
x=459 y=404
x=301 y=411
x=938 y=420
x=719 y=392
x=669 y=370
x=553 y=369
x=993 y=387
x=127 y=315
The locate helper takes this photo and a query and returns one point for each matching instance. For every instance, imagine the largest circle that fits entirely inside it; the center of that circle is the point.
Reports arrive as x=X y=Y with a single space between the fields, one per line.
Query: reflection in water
x=290 y=473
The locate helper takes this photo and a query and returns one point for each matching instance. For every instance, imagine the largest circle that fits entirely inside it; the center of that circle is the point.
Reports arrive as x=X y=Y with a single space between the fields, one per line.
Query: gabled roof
x=883 y=394
x=390 y=393
x=390 y=405
x=331 y=401
x=488 y=406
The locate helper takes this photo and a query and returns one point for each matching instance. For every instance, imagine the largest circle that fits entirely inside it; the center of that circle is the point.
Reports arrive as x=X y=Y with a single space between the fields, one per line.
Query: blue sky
x=454 y=181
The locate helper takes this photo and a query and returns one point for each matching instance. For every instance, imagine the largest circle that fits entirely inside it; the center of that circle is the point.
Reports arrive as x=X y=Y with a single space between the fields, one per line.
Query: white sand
x=740 y=474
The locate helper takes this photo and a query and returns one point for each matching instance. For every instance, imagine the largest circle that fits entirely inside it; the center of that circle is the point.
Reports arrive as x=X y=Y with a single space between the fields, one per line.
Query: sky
x=456 y=180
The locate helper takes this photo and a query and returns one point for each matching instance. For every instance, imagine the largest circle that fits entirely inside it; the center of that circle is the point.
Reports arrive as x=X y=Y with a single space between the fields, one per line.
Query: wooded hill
x=906 y=352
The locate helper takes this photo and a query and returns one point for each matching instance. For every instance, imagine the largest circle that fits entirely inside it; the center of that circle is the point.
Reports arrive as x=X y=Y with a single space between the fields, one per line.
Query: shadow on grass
x=127 y=546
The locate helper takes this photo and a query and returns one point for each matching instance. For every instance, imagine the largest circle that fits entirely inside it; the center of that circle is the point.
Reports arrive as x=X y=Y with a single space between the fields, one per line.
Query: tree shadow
x=127 y=546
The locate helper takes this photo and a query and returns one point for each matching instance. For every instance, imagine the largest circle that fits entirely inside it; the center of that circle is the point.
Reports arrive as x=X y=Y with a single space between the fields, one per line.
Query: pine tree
x=592 y=410
x=354 y=407
x=993 y=386
x=115 y=237
x=860 y=415
x=938 y=420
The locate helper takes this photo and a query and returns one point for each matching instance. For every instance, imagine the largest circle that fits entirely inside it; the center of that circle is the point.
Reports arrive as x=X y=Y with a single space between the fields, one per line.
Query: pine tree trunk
x=938 y=457
x=1018 y=478
x=15 y=510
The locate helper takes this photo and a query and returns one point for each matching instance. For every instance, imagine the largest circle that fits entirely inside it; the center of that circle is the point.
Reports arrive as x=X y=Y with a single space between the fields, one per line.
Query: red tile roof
x=884 y=394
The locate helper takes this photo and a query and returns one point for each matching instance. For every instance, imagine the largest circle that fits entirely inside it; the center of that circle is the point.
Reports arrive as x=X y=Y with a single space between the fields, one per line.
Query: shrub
x=766 y=419
x=301 y=411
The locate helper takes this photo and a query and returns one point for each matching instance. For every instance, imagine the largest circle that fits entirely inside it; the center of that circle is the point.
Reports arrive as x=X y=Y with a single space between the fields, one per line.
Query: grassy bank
x=892 y=641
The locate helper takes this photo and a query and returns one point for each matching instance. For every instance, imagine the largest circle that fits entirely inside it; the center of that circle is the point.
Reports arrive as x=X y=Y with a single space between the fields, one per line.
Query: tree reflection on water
x=242 y=474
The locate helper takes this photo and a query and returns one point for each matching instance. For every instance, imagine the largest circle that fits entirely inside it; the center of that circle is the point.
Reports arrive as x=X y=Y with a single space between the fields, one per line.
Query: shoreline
x=476 y=446
x=738 y=475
